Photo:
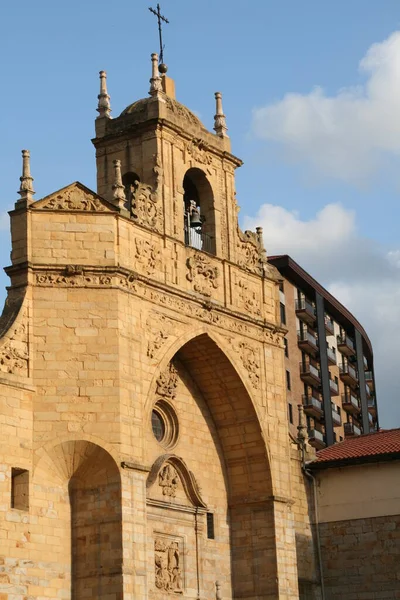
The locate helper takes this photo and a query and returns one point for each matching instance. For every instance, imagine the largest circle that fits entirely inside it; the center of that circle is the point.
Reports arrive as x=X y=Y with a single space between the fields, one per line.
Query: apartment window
x=290 y=413
x=288 y=384
x=210 y=526
x=286 y=347
x=281 y=287
x=19 y=489
x=283 y=313
x=340 y=438
x=336 y=380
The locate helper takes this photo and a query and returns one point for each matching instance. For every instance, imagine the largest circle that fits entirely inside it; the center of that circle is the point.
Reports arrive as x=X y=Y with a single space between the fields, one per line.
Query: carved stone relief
x=148 y=255
x=250 y=359
x=168 y=565
x=249 y=298
x=197 y=149
x=73 y=275
x=73 y=198
x=145 y=210
x=203 y=274
x=168 y=480
x=161 y=328
x=182 y=112
x=14 y=349
x=167 y=382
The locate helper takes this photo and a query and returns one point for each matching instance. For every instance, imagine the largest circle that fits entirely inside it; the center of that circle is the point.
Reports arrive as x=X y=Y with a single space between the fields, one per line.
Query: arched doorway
x=230 y=527
x=90 y=548
x=199 y=216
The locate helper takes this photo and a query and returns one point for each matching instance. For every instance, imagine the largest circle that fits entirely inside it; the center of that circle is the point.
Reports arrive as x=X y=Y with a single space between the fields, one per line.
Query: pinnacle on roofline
x=219 y=118
x=155 y=80
x=103 y=107
x=26 y=190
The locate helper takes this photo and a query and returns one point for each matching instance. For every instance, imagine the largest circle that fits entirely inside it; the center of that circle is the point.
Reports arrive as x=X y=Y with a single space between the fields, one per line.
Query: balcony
x=336 y=418
x=307 y=342
x=368 y=391
x=350 y=403
x=334 y=388
x=329 y=326
x=365 y=363
x=305 y=311
x=369 y=379
x=351 y=430
x=345 y=345
x=310 y=374
x=348 y=374
x=316 y=439
x=372 y=405
x=312 y=407
x=331 y=355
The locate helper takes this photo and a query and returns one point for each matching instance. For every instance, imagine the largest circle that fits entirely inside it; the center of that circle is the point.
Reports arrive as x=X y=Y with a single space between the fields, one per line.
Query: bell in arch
x=194 y=215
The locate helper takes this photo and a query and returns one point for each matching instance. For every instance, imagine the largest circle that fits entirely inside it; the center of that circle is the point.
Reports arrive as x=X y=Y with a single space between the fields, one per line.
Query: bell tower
x=177 y=177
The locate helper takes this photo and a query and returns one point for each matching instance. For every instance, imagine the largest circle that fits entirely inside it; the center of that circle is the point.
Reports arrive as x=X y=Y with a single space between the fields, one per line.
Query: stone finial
x=26 y=190
x=218 y=594
x=302 y=434
x=219 y=118
x=119 y=197
x=155 y=81
x=103 y=107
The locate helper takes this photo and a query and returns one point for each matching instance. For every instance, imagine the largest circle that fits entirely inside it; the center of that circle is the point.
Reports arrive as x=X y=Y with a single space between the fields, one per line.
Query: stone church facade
x=144 y=438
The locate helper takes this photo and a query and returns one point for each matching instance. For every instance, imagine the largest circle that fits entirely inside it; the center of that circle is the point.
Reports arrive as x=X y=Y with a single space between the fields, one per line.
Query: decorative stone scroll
x=74 y=197
x=203 y=274
x=168 y=565
x=145 y=210
x=250 y=251
x=168 y=480
x=180 y=111
x=167 y=382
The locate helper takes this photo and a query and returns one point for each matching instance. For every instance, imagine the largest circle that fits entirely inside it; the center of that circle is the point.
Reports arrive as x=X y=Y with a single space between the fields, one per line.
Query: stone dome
x=176 y=108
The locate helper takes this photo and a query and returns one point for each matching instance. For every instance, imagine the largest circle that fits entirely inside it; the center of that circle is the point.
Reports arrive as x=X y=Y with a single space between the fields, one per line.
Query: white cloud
x=346 y=136
x=362 y=274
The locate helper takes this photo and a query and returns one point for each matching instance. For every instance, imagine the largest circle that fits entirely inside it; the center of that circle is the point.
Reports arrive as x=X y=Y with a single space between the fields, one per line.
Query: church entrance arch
x=235 y=555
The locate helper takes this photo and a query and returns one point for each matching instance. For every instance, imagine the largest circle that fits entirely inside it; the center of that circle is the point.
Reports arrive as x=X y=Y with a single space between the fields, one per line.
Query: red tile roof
x=370 y=445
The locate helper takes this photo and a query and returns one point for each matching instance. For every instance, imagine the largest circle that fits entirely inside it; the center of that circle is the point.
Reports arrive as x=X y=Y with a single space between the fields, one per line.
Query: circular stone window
x=164 y=424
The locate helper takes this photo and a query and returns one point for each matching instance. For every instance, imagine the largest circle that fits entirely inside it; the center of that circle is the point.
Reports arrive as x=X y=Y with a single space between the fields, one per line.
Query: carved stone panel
x=249 y=297
x=168 y=480
x=145 y=209
x=203 y=274
x=147 y=255
x=168 y=382
x=74 y=197
x=168 y=564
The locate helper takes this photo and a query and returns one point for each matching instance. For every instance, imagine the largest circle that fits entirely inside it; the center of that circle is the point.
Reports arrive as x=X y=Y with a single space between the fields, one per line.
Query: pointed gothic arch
x=245 y=462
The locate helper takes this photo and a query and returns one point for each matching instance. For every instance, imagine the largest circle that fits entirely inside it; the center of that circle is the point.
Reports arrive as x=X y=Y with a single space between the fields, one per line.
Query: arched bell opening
x=128 y=181
x=199 y=216
x=232 y=530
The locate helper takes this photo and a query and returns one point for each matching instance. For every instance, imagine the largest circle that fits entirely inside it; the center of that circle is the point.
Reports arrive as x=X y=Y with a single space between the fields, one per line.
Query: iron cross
x=160 y=18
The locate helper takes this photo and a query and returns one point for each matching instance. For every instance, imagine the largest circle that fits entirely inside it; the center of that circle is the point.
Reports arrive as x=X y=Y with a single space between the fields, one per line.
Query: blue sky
x=321 y=168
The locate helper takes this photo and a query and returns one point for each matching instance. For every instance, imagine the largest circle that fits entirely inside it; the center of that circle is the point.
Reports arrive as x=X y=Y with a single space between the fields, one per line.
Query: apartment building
x=328 y=360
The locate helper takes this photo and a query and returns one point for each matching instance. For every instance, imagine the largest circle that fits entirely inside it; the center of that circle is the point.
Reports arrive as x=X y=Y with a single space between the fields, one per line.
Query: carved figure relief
x=203 y=274
x=14 y=350
x=147 y=254
x=250 y=251
x=249 y=299
x=168 y=567
x=168 y=480
x=167 y=382
x=144 y=209
x=158 y=171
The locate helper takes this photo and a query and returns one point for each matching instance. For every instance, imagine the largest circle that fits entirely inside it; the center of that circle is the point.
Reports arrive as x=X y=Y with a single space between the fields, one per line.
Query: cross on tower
x=160 y=18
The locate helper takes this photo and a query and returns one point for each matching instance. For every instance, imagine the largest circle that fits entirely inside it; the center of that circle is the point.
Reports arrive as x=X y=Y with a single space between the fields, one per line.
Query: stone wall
x=361 y=558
